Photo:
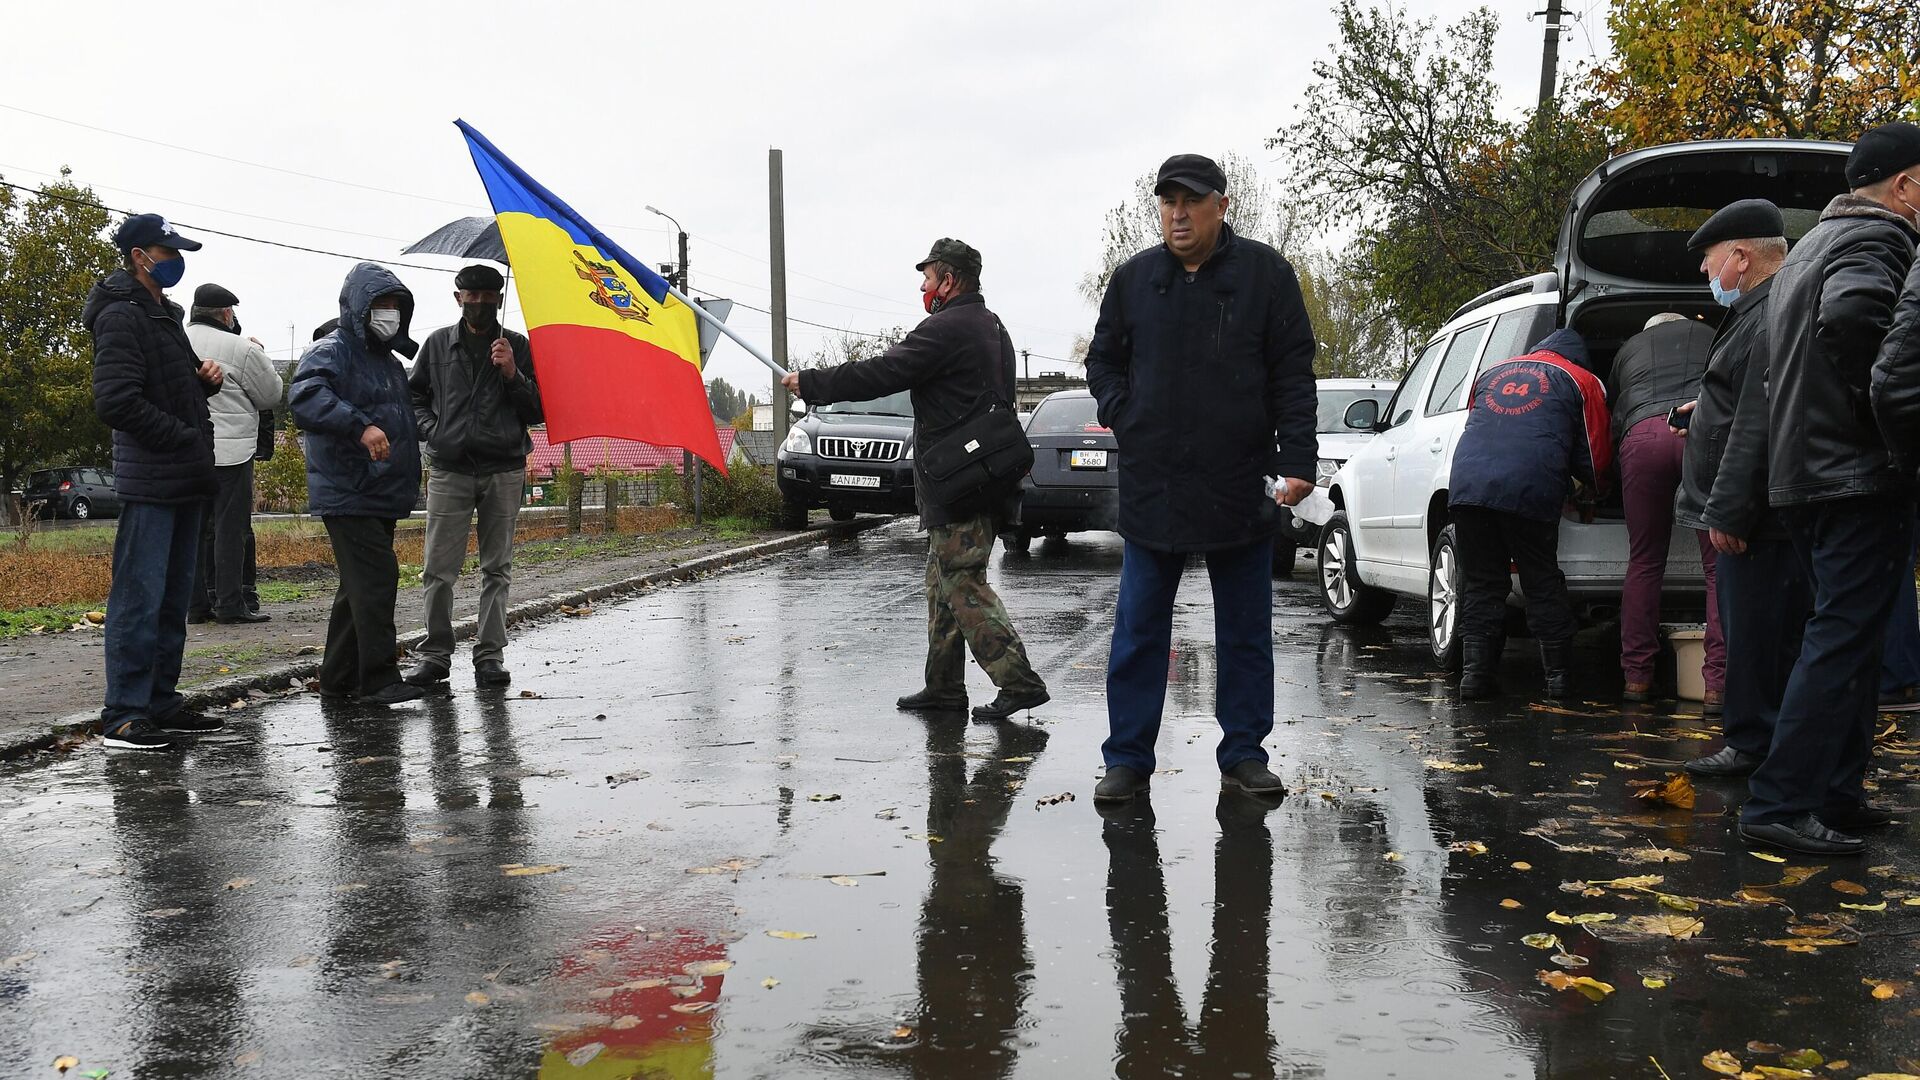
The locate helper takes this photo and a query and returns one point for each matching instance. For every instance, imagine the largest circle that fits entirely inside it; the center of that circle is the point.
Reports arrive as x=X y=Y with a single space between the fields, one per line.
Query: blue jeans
x=1242 y=581
x=154 y=549
x=1900 y=668
x=1853 y=551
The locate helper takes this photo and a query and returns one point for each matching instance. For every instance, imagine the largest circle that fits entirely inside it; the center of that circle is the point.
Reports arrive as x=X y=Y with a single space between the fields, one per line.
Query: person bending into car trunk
x=152 y=390
x=363 y=475
x=1202 y=362
x=1848 y=509
x=1536 y=433
x=474 y=396
x=957 y=359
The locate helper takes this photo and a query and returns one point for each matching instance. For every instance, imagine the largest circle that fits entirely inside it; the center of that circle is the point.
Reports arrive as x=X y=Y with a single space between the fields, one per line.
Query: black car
x=71 y=492
x=849 y=457
x=1074 y=485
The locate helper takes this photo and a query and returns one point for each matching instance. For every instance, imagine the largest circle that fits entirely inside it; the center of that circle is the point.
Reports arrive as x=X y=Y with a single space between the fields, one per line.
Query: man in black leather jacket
x=1849 y=511
x=1762 y=592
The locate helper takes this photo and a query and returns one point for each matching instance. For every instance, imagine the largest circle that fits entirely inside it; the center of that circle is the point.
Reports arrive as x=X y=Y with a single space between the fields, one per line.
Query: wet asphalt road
x=711 y=847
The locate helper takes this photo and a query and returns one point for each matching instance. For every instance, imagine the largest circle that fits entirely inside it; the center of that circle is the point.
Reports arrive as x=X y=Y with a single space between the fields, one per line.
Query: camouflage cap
x=958 y=255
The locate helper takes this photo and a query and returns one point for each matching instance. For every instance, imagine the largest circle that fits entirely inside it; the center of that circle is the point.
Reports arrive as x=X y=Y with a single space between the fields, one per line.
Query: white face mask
x=385 y=322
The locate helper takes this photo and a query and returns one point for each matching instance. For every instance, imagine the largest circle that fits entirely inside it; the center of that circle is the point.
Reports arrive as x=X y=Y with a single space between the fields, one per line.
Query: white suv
x=1621 y=258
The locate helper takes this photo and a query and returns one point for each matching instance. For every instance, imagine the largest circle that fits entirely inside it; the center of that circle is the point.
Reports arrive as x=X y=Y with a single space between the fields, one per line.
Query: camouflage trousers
x=963 y=612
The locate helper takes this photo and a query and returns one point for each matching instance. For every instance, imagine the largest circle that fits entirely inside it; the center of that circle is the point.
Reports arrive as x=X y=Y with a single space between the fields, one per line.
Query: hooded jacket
x=347 y=382
x=251 y=386
x=1829 y=314
x=1206 y=378
x=147 y=388
x=1535 y=423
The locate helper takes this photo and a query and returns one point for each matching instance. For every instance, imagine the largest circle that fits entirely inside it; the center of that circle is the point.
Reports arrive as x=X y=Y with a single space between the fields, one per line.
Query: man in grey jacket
x=251 y=386
x=474 y=396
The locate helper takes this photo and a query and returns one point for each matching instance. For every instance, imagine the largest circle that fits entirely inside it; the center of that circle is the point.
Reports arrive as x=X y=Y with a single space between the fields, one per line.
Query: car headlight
x=909 y=456
x=1323 y=471
x=798 y=442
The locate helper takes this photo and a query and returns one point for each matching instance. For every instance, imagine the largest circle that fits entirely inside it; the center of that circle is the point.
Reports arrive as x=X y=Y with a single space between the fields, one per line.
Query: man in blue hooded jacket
x=1536 y=432
x=350 y=397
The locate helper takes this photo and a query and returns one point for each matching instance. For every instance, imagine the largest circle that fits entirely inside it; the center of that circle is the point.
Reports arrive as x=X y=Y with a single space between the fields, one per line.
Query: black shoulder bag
x=987 y=450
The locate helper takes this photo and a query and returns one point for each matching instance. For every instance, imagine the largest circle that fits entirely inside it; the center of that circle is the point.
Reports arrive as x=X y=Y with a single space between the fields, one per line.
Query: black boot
x=1557 y=658
x=1479 y=660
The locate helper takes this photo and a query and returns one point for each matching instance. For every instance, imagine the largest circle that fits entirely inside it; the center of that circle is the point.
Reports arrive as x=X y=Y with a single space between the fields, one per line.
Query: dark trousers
x=1900 y=665
x=223 y=577
x=361 y=651
x=1494 y=545
x=1764 y=604
x=154 y=549
x=1853 y=552
x=1242 y=580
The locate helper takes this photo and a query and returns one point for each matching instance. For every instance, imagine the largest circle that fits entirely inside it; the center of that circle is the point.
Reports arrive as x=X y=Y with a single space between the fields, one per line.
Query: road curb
x=274 y=679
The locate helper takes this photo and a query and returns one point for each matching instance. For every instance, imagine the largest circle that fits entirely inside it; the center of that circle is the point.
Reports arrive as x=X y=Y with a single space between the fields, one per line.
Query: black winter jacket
x=1896 y=380
x=147 y=388
x=1206 y=379
x=471 y=420
x=1723 y=474
x=1831 y=308
x=947 y=363
x=1655 y=370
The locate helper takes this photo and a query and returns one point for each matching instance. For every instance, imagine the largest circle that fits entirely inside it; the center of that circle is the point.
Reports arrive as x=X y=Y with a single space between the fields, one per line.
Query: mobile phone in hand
x=1678 y=419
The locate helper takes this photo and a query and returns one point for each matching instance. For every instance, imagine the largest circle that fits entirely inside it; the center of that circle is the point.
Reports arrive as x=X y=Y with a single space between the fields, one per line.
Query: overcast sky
x=1012 y=125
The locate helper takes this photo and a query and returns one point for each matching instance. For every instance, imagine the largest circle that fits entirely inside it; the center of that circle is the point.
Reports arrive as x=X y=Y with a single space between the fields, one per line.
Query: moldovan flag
x=616 y=354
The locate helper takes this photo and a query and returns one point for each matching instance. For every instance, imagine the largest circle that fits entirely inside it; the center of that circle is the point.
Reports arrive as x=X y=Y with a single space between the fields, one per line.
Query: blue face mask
x=168 y=272
x=1722 y=295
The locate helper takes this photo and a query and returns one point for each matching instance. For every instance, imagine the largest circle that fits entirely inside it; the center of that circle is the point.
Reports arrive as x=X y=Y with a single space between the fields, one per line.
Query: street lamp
x=686 y=456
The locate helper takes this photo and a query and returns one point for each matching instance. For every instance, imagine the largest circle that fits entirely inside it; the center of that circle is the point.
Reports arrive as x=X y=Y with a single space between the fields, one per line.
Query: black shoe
x=393 y=694
x=1011 y=701
x=1724 y=762
x=195 y=618
x=1479 y=658
x=1120 y=784
x=425 y=675
x=1859 y=818
x=491 y=673
x=190 y=722
x=1254 y=778
x=1804 y=834
x=927 y=699
x=138 y=734
x=242 y=617
x=1557 y=658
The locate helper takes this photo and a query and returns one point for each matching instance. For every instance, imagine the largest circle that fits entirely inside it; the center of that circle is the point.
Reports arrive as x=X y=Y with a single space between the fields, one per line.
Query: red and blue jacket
x=1536 y=423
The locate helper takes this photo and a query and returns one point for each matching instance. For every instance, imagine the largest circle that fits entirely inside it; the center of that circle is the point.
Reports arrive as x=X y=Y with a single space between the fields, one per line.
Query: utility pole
x=777 y=257
x=1550 y=54
x=1026 y=365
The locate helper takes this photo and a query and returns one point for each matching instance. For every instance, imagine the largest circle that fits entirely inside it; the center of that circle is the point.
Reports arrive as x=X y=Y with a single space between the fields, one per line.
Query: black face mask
x=479 y=316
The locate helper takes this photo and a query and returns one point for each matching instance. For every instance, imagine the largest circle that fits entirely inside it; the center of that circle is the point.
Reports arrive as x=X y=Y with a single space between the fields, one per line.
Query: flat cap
x=1197 y=174
x=960 y=256
x=1883 y=151
x=1747 y=219
x=479 y=278
x=213 y=296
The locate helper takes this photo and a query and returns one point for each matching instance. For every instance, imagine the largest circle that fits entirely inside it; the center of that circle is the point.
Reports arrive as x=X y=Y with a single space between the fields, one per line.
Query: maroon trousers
x=1650 y=458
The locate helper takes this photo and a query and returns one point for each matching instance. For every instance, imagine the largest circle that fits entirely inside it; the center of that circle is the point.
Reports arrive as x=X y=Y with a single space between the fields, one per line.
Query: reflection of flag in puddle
x=634 y=979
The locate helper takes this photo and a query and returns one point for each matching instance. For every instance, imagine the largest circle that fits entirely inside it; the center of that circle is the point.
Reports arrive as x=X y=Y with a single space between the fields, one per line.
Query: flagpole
x=720 y=325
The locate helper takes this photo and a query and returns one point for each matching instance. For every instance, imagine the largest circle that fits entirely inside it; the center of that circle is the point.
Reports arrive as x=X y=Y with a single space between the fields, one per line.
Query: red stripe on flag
x=602 y=382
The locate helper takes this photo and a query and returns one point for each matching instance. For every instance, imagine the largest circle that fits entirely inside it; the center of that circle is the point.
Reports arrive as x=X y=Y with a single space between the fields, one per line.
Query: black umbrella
x=463 y=238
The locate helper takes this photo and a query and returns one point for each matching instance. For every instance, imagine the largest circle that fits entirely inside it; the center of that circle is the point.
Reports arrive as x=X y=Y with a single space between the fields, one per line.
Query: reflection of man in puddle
x=1234 y=1034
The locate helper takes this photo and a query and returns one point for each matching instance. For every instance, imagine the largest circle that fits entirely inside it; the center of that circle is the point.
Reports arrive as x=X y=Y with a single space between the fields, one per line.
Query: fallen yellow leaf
x=1594 y=989
x=693 y=1007
x=65 y=1062
x=1582 y=919
x=1679 y=927
x=1722 y=1062
x=1851 y=888
x=1541 y=941
x=1523 y=866
x=1881 y=906
x=707 y=967
x=478 y=998
x=1676 y=792
x=516 y=870
x=1467 y=847
x=1452 y=766
x=1883 y=991
x=1510 y=903
x=791 y=935
x=931 y=839
x=844 y=881
x=240 y=883
x=1393 y=856
x=769 y=982
x=1652 y=983
x=1766 y=856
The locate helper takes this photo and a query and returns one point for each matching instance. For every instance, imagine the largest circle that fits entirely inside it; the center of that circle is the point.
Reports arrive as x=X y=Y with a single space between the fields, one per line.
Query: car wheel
x=1018 y=541
x=1348 y=602
x=839 y=513
x=1285 y=555
x=1443 y=601
x=793 y=515
x=81 y=509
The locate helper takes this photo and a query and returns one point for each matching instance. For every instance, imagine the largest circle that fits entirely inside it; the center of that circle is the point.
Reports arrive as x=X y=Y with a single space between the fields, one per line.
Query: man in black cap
x=474 y=396
x=251 y=386
x=1848 y=510
x=151 y=388
x=957 y=361
x=1762 y=590
x=1202 y=364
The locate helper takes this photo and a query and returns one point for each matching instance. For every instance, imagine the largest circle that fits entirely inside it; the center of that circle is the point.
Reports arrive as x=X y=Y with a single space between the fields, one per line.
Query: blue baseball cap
x=148 y=230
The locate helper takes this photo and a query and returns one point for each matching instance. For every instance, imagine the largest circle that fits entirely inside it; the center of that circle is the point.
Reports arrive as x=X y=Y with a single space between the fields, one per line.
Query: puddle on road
x=711 y=847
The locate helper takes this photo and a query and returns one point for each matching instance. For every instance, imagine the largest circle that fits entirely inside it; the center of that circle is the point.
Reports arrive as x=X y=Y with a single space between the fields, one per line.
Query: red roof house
x=620 y=455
